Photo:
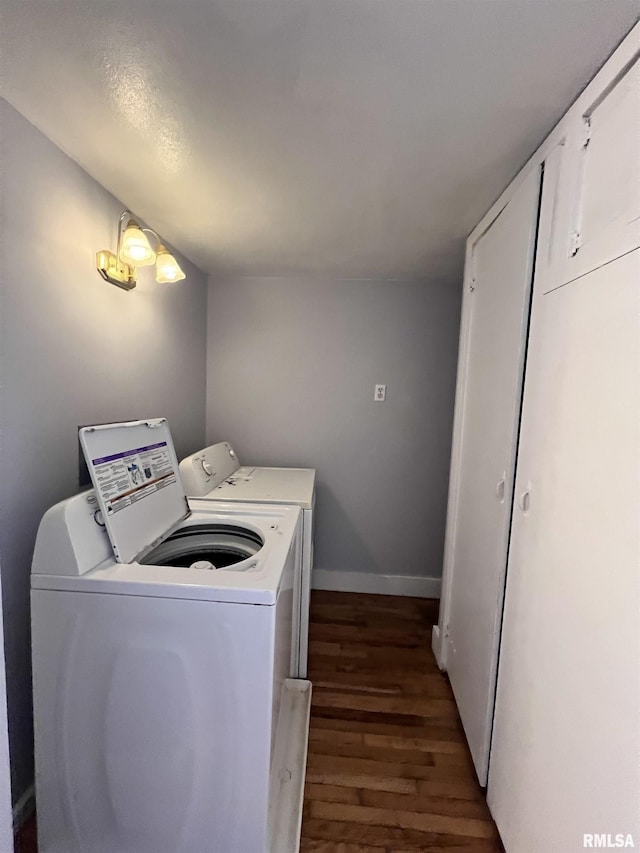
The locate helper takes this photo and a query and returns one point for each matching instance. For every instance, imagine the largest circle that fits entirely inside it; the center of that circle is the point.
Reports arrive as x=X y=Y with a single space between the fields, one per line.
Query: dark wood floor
x=389 y=770
x=26 y=840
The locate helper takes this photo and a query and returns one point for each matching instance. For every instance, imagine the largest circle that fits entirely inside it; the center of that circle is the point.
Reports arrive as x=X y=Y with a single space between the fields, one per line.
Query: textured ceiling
x=349 y=137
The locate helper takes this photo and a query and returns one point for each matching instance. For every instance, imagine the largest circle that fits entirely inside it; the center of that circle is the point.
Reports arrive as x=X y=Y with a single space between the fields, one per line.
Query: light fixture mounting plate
x=115 y=271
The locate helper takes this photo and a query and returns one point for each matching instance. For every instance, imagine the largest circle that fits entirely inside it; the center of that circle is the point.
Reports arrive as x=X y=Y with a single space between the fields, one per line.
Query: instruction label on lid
x=134 y=471
x=133 y=475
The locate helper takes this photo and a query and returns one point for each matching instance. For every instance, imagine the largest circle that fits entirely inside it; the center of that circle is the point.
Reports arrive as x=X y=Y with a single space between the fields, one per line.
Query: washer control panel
x=205 y=470
x=72 y=538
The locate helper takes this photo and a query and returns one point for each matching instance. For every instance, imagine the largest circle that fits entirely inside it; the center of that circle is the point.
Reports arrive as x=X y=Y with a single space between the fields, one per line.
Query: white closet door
x=602 y=175
x=566 y=741
x=502 y=261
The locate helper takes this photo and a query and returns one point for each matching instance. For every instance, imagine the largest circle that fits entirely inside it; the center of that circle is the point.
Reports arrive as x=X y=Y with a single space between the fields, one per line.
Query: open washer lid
x=134 y=470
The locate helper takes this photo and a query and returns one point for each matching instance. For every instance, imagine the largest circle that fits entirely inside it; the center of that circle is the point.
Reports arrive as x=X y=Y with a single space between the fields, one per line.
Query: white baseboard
x=24 y=808
x=416 y=587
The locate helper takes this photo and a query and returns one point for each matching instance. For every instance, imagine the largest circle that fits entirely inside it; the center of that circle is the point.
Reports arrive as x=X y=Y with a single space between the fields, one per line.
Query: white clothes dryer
x=215 y=473
x=165 y=721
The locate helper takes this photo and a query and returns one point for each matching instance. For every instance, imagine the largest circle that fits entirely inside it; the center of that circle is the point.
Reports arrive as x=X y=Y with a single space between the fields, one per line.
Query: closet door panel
x=502 y=261
x=601 y=213
x=566 y=739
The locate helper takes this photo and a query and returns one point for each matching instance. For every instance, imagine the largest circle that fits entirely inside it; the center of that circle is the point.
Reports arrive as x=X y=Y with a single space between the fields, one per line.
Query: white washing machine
x=165 y=721
x=215 y=473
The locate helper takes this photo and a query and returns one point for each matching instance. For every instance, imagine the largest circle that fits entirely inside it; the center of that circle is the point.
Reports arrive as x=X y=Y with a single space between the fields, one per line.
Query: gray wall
x=292 y=365
x=73 y=350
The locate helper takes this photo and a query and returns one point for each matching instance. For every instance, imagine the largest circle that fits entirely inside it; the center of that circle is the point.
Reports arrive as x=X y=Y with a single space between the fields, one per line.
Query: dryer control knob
x=206 y=468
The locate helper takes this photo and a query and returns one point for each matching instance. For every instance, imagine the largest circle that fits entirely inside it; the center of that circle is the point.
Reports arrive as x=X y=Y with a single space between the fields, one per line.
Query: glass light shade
x=135 y=248
x=167 y=268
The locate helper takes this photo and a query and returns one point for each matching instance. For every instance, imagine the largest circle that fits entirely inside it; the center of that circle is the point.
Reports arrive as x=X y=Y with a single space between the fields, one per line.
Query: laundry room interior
x=393 y=247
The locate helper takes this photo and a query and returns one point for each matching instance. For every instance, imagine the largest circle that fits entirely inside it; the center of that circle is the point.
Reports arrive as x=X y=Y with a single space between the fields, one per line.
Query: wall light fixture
x=134 y=250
